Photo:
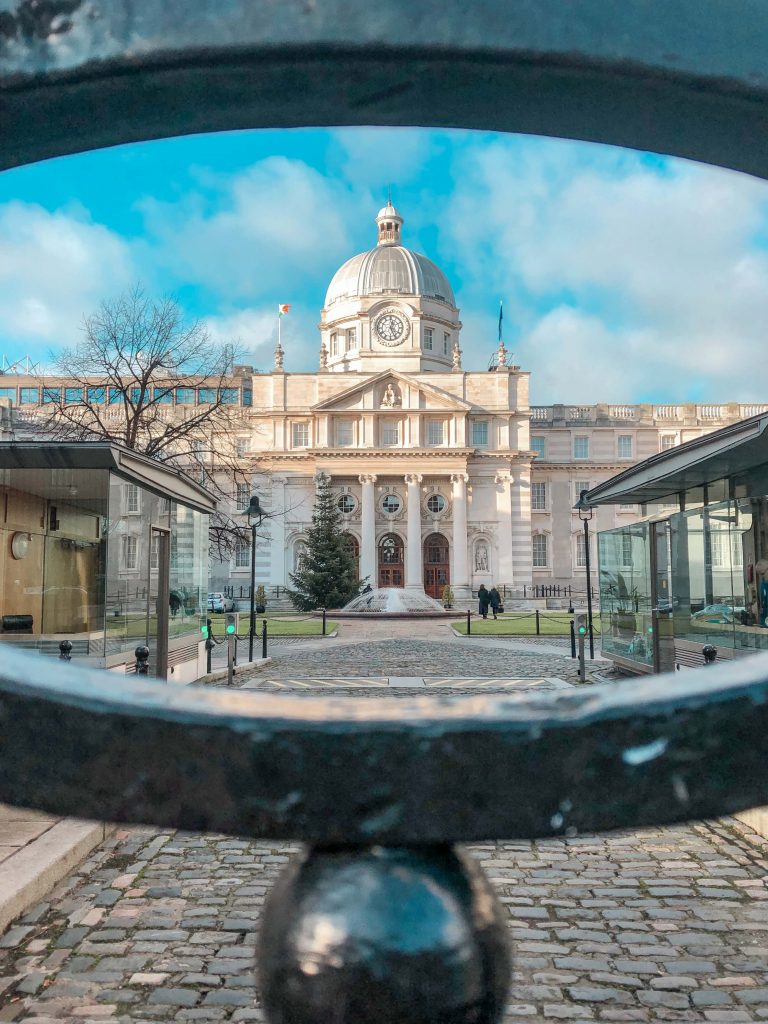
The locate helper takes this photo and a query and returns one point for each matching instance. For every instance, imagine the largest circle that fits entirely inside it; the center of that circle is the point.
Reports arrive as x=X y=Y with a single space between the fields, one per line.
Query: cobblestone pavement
x=660 y=925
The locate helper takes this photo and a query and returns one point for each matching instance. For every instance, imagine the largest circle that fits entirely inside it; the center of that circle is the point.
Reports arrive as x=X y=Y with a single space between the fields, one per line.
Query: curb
x=30 y=873
x=221 y=673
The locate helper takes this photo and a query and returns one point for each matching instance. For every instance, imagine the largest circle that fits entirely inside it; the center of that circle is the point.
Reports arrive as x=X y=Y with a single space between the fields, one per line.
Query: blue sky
x=625 y=276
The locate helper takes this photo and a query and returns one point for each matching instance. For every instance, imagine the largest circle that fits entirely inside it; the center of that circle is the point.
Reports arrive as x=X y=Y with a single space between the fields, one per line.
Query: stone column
x=522 y=556
x=414 y=569
x=504 y=573
x=277 y=562
x=459 y=575
x=368 y=530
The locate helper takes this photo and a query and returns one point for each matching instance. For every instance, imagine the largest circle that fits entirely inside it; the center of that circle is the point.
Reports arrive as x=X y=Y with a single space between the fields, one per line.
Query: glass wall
x=625 y=593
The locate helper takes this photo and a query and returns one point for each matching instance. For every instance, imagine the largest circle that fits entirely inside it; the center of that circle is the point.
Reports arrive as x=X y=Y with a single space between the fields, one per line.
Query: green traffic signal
x=230 y=627
x=582 y=630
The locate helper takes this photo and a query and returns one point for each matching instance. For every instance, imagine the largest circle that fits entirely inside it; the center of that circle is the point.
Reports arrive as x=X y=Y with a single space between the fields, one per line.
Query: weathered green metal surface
x=675 y=76
x=367 y=770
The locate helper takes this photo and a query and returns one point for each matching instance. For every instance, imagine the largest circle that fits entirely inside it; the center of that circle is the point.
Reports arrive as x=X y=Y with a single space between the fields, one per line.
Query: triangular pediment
x=391 y=389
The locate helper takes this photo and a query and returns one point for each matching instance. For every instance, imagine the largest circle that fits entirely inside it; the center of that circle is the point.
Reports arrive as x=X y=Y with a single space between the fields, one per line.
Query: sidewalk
x=36 y=851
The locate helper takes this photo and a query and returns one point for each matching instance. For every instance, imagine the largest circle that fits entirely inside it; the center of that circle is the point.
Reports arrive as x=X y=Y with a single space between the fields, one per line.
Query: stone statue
x=391 y=397
x=481 y=558
x=279 y=357
x=323 y=357
x=456 y=356
x=501 y=354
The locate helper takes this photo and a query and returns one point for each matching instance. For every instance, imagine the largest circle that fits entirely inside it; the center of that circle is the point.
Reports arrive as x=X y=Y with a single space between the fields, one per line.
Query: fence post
x=469 y=622
x=573 y=640
x=538 y=624
x=524 y=591
x=210 y=643
x=263 y=638
x=323 y=621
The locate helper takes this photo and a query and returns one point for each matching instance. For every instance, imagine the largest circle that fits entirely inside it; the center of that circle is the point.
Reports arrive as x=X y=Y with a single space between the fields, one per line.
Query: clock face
x=390 y=328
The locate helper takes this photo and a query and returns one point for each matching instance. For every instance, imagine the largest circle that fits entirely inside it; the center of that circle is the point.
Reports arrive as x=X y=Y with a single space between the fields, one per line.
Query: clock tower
x=389 y=308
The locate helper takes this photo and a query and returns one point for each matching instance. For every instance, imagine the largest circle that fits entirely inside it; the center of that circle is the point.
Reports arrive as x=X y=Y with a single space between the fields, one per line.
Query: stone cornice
x=366 y=454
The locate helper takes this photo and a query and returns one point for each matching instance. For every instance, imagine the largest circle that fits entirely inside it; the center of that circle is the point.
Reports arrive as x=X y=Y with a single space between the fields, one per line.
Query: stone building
x=443 y=476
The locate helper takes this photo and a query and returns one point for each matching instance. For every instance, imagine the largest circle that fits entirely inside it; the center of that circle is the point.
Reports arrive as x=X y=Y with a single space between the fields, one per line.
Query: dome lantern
x=389 y=223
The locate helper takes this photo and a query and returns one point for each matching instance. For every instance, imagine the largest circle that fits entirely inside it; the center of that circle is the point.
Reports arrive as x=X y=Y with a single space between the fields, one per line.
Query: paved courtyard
x=658 y=925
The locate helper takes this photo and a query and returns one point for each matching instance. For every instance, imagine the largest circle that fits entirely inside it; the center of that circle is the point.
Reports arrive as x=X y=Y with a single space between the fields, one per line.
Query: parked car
x=721 y=613
x=219 y=603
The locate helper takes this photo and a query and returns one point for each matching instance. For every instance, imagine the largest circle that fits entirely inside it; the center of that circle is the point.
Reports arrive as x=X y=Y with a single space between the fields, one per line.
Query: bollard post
x=209 y=645
x=709 y=653
x=323 y=621
x=573 y=640
x=65 y=650
x=264 y=638
x=142 y=660
x=538 y=624
x=469 y=622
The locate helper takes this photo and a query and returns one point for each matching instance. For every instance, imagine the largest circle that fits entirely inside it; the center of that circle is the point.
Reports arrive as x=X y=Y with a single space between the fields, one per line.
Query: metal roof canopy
x=158 y=477
x=729 y=452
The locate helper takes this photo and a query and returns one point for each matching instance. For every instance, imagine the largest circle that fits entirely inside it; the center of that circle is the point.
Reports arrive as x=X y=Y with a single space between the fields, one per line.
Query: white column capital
x=459 y=478
x=503 y=477
x=367 y=478
x=413 y=479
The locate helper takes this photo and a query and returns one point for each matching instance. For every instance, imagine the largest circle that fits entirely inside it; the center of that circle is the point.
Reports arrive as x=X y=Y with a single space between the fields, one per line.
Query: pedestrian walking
x=494 y=599
x=484 y=600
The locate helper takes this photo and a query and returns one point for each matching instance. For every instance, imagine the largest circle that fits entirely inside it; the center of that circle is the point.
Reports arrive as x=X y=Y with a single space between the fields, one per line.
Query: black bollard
x=65 y=650
x=323 y=623
x=573 y=640
x=263 y=638
x=469 y=622
x=538 y=624
x=710 y=654
x=142 y=660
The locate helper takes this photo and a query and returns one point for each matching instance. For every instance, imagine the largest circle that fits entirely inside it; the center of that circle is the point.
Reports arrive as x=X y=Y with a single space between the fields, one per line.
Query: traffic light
x=581 y=624
x=230 y=623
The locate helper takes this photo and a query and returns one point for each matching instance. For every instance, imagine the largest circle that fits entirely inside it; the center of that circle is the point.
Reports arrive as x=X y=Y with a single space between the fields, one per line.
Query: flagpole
x=279 y=318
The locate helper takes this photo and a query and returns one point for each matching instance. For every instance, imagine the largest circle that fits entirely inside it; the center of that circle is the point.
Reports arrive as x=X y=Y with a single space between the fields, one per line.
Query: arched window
x=352 y=548
x=436 y=549
x=391 y=550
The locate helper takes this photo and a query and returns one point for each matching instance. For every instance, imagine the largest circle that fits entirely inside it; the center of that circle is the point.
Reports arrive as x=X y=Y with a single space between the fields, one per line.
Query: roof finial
x=389 y=195
x=389 y=223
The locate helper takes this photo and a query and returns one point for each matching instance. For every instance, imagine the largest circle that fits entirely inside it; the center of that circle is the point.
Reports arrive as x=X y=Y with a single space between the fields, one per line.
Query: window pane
x=185 y=396
x=96 y=396
x=73 y=394
x=163 y=396
x=538 y=497
x=345 y=433
x=243 y=497
x=207 y=396
x=581 y=447
x=30 y=396
x=230 y=396
x=8 y=393
x=300 y=435
x=435 y=503
x=115 y=396
x=581 y=559
x=247 y=396
x=428 y=338
x=537 y=445
x=434 y=432
x=51 y=395
x=390 y=433
x=131 y=498
x=539 y=551
x=625 y=446
x=242 y=555
x=480 y=433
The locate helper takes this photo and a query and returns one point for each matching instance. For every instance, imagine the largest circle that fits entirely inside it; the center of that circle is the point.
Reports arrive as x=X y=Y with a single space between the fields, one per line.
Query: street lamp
x=586 y=512
x=255 y=515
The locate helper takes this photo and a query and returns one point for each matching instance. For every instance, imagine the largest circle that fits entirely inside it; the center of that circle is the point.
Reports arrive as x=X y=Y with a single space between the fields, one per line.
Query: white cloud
x=54 y=268
x=631 y=282
x=253 y=332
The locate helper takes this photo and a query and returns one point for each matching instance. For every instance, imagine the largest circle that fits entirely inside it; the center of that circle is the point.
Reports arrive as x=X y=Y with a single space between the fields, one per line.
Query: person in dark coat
x=494 y=599
x=484 y=599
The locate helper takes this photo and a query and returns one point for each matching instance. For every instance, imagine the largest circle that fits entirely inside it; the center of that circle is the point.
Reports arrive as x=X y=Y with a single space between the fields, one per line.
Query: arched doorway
x=353 y=549
x=390 y=561
x=437 y=571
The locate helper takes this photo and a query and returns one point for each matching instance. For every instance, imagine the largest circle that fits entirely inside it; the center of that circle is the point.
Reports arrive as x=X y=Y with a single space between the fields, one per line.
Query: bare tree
x=123 y=383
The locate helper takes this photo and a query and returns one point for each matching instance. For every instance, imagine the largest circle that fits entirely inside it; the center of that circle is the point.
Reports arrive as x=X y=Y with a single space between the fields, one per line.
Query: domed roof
x=389 y=269
x=386 y=270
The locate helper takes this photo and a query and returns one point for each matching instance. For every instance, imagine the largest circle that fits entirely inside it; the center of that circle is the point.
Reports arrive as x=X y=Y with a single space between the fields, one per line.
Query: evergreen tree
x=327 y=577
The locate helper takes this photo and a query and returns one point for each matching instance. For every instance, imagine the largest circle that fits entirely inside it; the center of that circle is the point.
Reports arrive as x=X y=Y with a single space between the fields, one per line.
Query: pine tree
x=327 y=577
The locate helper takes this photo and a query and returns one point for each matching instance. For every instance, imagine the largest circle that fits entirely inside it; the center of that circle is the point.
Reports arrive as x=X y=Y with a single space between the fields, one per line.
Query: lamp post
x=255 y=515
x=585 y=514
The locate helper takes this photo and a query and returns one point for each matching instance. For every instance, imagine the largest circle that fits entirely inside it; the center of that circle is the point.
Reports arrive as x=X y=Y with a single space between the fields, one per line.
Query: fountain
x=393 y=602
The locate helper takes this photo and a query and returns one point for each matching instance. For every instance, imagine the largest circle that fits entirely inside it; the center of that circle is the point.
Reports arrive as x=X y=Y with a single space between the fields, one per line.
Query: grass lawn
x=277 y=625
x=521 y=624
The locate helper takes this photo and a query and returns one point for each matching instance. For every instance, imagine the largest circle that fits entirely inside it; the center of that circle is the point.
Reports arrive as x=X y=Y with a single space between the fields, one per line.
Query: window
x=624 y=446
x=626 y=549
x=540 y=553
x=581 y=551
x=538 y=445
x=581 y=447
x=242 y=444
x=136 y=395
x=434 y=433
x=668 y=441
x=334 y=345
x=131 y=552
x=154 y=552
x=229 y=396
x=163 y=396
x=429 y=336
x=8 y=393
x=185 y=396
x=538 y=497
x=435 y=503
x=578 y=487
x=480 y=433
x=51 y=395
x=115 y=396
x=247 y=396
x=390 y=433
x=131 y=498
x=446 y=343
x=97 y=396
x=351 y=339
x=345 y=433
x=717 y=548
x=242 y=554
x=346 y=504
x=300 y=435
x=243 y=497
x=390 y=503
x=30 y=396
x=207 y=396
x=627 y=508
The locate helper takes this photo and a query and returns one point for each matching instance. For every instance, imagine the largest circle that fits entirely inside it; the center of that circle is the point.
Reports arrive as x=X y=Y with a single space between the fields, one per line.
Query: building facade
x=442 y=476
